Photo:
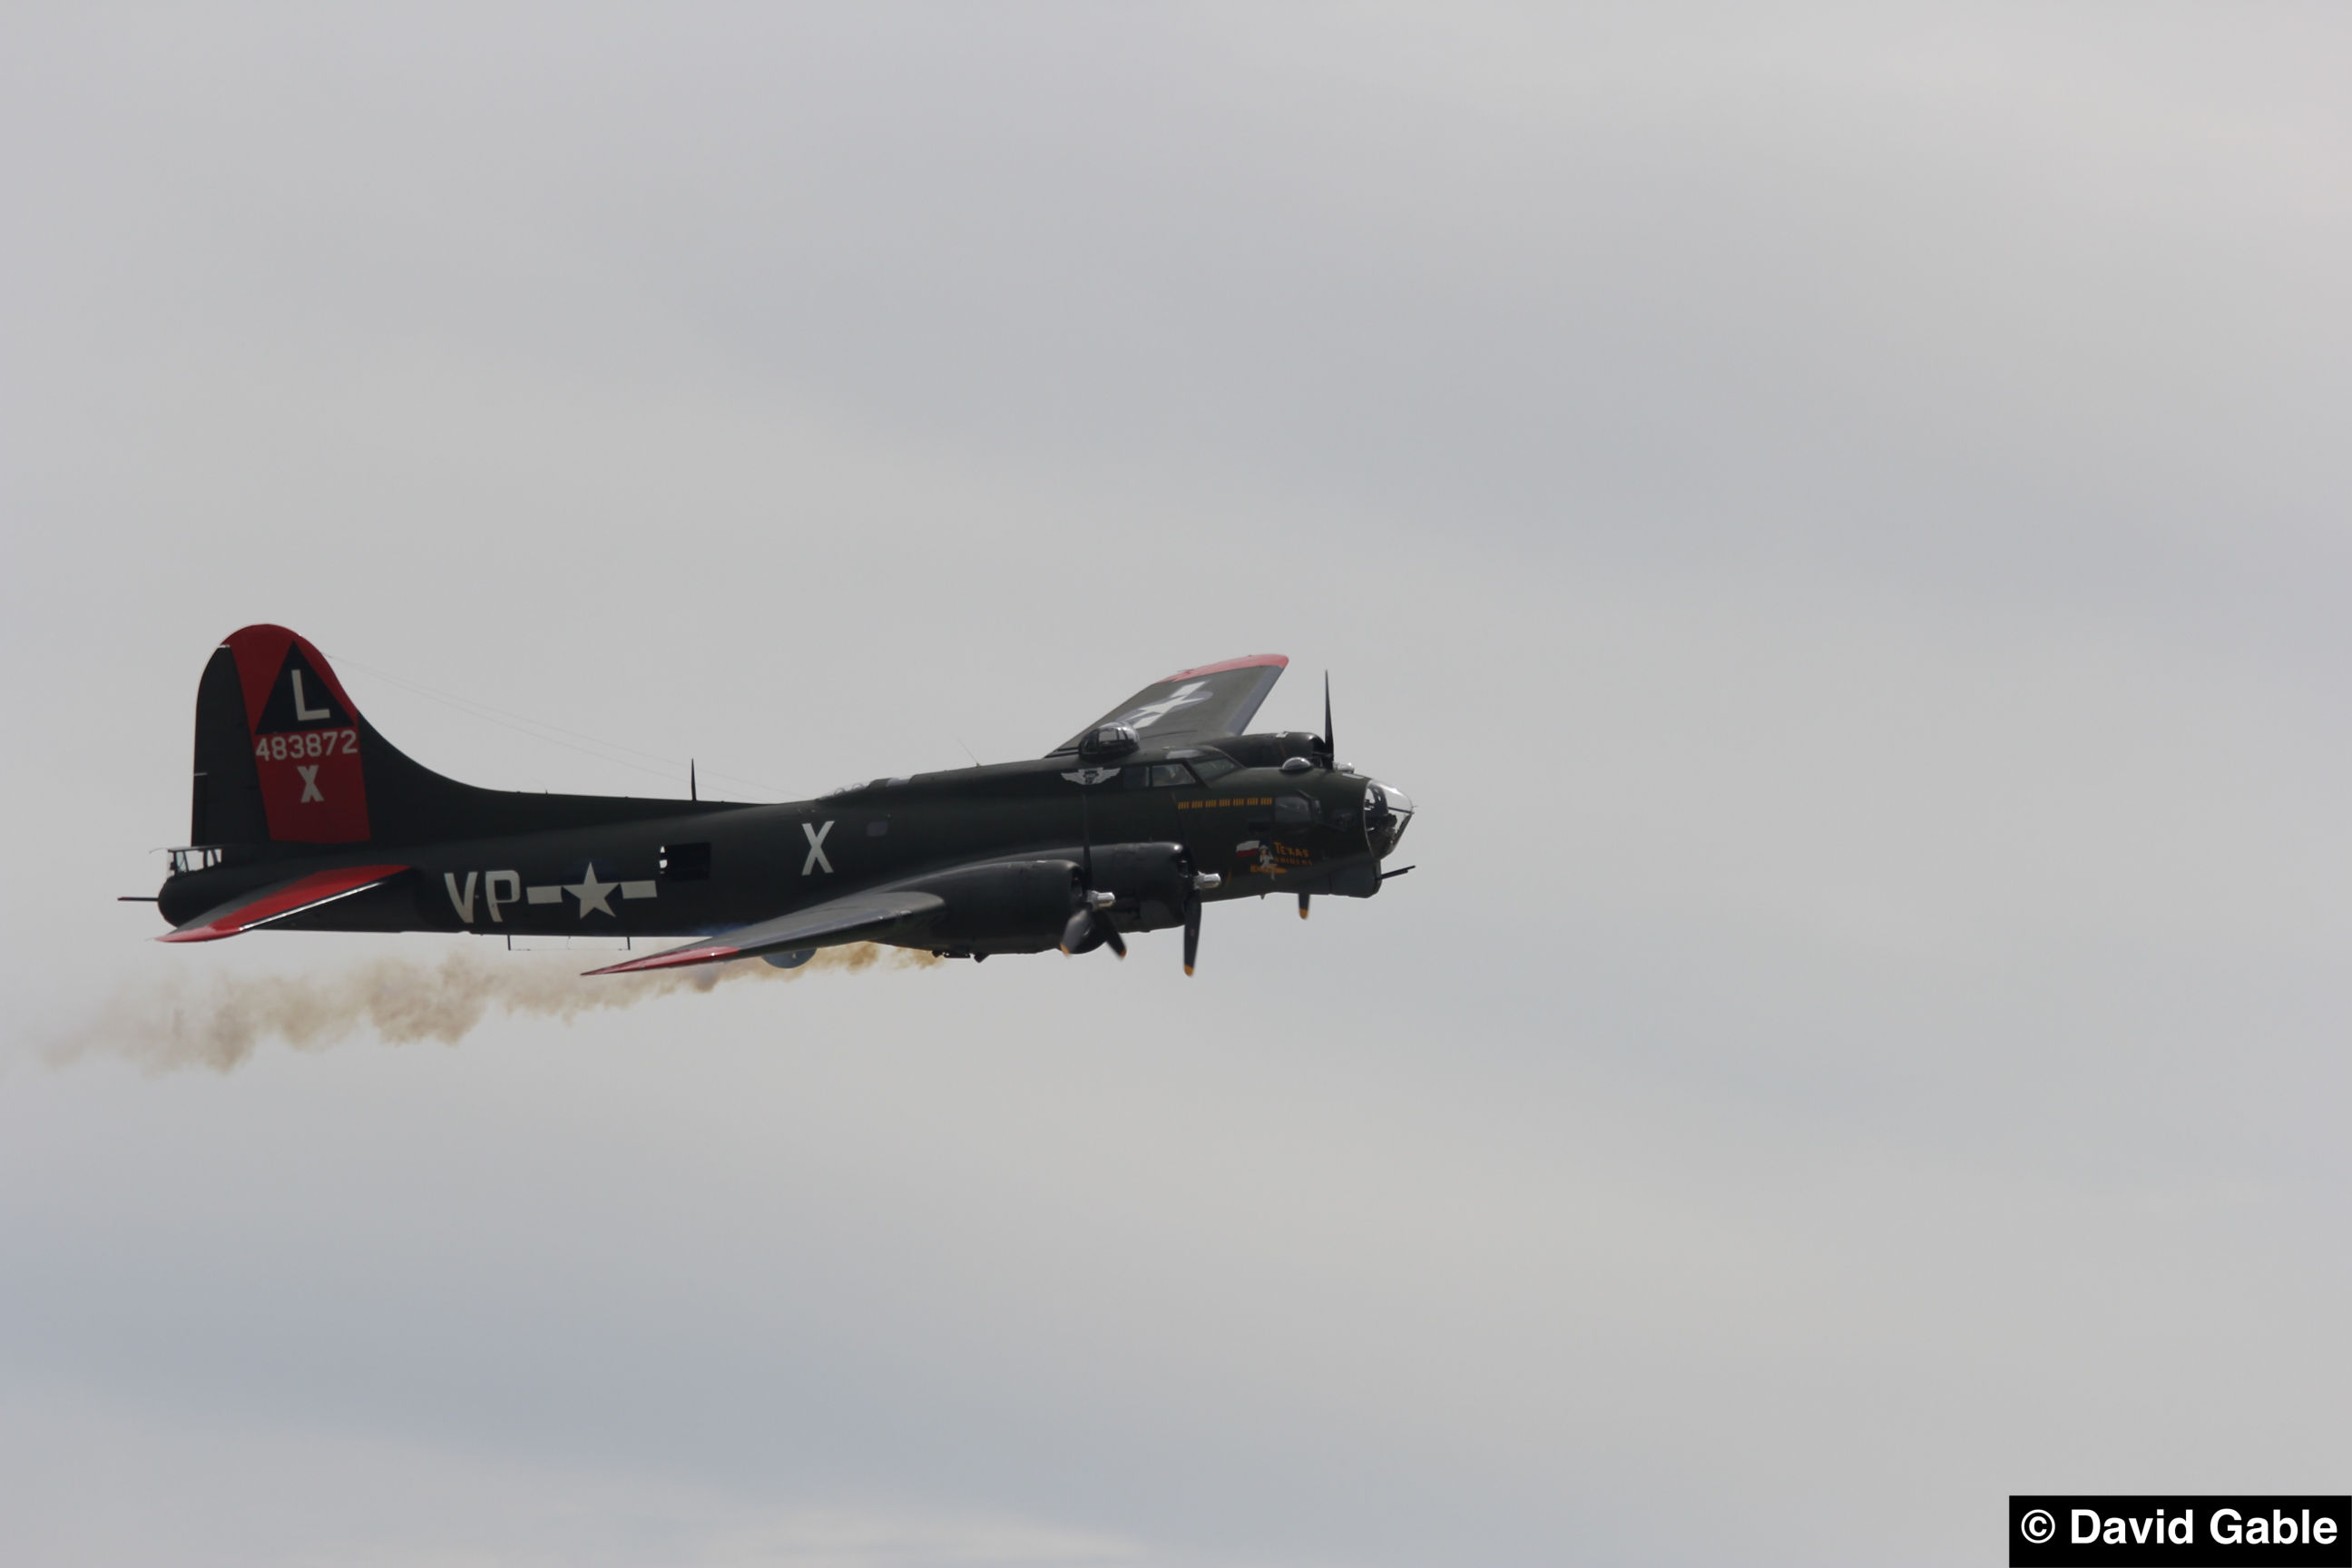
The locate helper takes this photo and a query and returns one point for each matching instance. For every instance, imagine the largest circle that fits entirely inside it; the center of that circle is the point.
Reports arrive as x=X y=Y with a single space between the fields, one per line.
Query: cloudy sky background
x=1839 y=518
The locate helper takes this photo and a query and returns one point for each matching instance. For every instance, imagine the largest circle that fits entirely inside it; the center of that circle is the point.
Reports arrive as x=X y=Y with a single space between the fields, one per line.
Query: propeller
x=1330 y=758
x=1090 y=927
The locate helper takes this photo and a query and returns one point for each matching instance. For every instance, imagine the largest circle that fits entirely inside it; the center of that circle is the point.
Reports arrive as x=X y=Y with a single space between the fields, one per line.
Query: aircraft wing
x=276 y=903
x=854 y=917
x=1194 y=704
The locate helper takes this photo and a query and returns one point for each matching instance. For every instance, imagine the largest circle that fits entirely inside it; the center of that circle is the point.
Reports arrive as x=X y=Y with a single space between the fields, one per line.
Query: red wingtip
x=1279 y=660
x=678 y=960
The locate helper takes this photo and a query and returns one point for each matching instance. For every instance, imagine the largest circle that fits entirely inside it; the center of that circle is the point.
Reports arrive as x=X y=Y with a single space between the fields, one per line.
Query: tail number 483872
x=306 y=743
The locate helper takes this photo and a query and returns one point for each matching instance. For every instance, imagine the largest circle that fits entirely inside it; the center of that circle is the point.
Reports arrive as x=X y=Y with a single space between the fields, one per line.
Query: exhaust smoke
x=183 y=1022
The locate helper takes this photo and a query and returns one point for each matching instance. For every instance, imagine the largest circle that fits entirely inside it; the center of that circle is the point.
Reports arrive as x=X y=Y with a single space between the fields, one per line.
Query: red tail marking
x=260 y=653
x=313 y=787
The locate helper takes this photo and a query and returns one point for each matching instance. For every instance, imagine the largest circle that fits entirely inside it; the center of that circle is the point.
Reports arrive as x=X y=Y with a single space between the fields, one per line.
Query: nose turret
x=1388 y=812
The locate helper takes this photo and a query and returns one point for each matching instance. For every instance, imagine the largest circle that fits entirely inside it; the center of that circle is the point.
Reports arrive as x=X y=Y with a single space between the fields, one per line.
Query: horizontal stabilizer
x=248 y=911
x=858 y=917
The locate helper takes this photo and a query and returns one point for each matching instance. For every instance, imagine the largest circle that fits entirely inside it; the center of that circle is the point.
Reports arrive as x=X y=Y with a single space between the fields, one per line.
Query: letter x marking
x=816 y=836
x=311 y=790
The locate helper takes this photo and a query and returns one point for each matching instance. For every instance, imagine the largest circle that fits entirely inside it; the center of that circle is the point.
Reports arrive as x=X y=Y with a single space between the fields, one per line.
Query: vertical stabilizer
x=284 y=756
x=281 y=752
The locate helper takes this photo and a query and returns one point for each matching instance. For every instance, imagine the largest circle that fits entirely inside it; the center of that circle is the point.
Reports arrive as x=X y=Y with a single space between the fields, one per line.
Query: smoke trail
x=217 y=1023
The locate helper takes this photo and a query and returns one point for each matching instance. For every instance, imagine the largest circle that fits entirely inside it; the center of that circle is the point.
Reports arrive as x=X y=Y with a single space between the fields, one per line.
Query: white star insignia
x=592 y=893
x=1151 y=713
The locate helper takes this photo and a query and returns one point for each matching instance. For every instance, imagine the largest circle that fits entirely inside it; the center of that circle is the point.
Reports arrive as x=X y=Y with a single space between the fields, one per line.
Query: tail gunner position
x=305 y=818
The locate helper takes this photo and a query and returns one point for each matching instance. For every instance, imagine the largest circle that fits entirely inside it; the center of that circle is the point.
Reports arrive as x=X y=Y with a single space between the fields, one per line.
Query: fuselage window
x=685 y=862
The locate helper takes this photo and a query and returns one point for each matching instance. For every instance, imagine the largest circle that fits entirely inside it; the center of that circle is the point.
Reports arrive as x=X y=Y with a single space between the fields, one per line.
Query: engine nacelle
x=1149 y=882
x=1141 y=870
x=1011 y=906
x=1270 y=749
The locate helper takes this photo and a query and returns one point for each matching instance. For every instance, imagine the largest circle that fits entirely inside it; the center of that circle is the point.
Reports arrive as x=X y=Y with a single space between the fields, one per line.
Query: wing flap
x=853 y=917
x=1194 y=704
x=275 y=902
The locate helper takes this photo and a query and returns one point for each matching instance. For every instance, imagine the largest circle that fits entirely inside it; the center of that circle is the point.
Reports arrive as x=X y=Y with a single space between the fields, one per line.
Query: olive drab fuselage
x=303 y=816
x=714 y=866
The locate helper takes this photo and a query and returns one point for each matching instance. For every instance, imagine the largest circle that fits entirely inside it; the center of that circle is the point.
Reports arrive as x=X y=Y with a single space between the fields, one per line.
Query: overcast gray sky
x=1837 y=515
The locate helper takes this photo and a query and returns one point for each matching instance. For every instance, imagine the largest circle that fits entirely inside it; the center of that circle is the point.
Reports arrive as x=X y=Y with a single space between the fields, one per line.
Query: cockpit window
x=1214 y=767
x=1156 y=775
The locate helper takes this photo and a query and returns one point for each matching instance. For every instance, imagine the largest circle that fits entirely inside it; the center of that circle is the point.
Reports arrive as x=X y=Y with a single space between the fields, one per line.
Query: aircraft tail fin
x=280 y=757
x=284 y=756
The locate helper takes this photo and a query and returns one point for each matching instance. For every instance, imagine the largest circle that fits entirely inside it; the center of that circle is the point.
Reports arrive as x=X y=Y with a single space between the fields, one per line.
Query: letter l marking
x=302 y=709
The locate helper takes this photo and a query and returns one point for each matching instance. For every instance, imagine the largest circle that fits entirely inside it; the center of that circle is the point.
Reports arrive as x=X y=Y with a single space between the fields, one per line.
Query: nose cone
x=1388 y=812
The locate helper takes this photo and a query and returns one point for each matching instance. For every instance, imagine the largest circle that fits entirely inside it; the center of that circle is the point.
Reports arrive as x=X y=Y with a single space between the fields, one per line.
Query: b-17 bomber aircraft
x=306 y=818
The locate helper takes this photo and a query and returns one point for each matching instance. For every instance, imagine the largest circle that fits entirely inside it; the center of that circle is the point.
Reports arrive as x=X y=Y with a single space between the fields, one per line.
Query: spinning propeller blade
x=1090 y=927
